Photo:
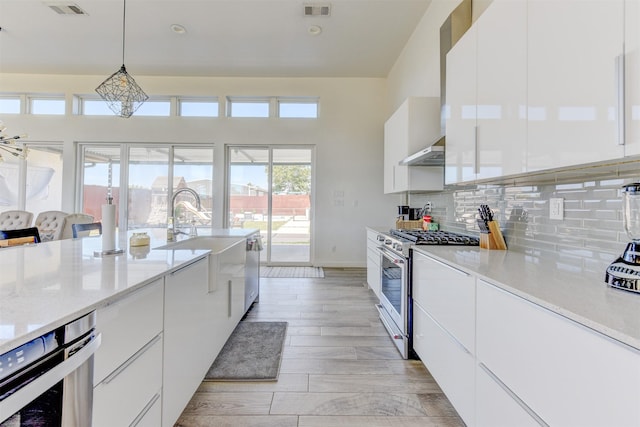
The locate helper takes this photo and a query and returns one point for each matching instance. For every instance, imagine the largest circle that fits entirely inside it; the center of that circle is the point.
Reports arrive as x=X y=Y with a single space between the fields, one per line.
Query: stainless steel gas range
x=396 y=306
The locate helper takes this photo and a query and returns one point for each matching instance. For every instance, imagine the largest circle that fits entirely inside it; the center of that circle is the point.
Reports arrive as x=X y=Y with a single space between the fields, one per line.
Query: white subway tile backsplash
x=591 y=233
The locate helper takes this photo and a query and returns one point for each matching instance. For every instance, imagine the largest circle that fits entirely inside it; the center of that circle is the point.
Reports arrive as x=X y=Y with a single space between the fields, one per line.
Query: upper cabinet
x=632 y=80
x=539 y=84
x=414 y=125
x=502 y=89
x=575 y=49
x=460 y=152
x=486 y=97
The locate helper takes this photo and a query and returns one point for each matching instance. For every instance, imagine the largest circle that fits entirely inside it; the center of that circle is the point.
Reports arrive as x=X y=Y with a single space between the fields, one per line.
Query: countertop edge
x=554 y=305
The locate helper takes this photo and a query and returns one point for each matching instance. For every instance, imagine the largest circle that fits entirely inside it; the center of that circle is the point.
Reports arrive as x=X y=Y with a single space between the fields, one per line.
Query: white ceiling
x=241 y=38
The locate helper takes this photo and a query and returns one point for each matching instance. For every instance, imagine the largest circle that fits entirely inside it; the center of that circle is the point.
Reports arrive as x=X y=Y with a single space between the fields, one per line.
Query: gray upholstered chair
x=14 y=220
x=74 y=218
x=50 y=224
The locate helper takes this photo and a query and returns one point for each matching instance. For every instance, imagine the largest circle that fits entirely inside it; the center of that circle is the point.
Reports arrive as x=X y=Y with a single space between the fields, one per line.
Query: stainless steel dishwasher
x=252 y=270
x=48 y=381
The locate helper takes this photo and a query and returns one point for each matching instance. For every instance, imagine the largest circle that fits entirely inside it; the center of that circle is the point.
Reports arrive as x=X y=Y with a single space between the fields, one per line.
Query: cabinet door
x=502 y=89
x=460 y=112
x=448 y=295
x=450 y=364
x=573 y=49
x=567 y=374
x=187 y=333
x=373 y=262
x=632 y=83
x=396 y=139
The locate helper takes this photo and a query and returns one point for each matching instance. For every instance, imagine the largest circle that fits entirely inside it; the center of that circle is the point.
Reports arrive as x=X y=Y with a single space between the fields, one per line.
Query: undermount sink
x=214 y=244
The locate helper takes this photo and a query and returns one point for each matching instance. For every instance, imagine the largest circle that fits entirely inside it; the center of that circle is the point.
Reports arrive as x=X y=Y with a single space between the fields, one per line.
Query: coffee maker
x=624 y=273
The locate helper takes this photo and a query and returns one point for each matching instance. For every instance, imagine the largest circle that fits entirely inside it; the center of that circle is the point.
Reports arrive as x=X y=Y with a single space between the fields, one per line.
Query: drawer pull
x=450 y=267
x=511 y=394
x=132 y=359
x=144 y=411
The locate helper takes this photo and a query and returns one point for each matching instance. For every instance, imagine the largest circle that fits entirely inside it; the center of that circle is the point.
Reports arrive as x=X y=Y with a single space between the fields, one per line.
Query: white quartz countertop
x=564 y=289
x=46 y=285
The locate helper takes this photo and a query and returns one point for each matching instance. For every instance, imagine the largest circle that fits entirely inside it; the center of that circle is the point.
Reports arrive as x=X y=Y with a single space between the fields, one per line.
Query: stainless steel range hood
x=430 y=156
x=453 y=28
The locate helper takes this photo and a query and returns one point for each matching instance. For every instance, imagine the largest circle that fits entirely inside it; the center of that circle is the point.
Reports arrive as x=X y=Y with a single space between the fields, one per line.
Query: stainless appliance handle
x=391 y=256
x=29 y=392
x=392 y=331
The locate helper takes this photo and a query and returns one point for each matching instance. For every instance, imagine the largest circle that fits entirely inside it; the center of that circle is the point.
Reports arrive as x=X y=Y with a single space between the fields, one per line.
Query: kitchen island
x=162 y=314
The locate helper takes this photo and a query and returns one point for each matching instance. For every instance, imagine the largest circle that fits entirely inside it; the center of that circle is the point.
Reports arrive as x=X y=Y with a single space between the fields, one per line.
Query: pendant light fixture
x=8 y=144
x=120 y=91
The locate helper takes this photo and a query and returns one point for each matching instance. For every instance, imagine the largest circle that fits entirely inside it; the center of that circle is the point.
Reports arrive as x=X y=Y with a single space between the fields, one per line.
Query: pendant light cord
x=124 y=20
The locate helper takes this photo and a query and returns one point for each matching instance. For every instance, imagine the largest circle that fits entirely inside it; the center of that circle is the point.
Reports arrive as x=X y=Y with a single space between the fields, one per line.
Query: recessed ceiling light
x=315 y=30
x=178 y=29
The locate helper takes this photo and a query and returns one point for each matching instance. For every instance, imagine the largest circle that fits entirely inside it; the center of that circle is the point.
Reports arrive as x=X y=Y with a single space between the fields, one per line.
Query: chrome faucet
x=173 y=207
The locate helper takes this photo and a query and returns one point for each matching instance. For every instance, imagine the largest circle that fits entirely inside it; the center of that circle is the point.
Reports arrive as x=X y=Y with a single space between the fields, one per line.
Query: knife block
x=494 y=238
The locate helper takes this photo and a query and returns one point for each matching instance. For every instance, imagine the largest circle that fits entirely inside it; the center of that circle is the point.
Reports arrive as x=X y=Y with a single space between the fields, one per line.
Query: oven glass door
x=393 y=279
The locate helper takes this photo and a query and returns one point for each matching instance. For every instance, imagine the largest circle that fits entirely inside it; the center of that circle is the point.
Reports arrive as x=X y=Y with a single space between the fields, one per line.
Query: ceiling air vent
x=317 y=10
x=65 y=8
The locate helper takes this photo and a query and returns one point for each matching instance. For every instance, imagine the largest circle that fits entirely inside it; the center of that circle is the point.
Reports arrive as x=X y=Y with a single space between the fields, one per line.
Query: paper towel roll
x=108 y=227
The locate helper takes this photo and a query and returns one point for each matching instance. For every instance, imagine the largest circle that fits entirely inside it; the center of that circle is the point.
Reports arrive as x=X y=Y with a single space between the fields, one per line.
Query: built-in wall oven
x=48 y=381
x=396 y=303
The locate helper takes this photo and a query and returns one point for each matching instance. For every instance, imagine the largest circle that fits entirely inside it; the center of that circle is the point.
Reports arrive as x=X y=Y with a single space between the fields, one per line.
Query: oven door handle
x=29 y=392
x=395 y=334
x=390 y=255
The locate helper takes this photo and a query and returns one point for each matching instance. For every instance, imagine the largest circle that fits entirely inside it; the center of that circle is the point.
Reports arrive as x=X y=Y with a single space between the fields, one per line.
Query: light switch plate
x=556 y=208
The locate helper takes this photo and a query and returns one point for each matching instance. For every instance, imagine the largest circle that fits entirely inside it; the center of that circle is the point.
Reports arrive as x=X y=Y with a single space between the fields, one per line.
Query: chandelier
x=120 y=91
x=8 y=144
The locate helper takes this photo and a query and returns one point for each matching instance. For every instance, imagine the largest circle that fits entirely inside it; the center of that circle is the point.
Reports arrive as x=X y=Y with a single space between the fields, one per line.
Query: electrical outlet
x=556 y=208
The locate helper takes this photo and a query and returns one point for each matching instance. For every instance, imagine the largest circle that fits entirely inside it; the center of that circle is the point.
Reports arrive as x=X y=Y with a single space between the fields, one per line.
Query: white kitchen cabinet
x=125 y=397
x=502 y=89
x=373 y=262
x=460 y=111
x=227 y=302
x=412 y=127
x=451 y=365
x=448 y=295
x=487 y=95
x=128 y=364
x=632 y=82
x=496 y=406
x=126 y=326
x=187 y=337
x=567 y=374
x=573 y=48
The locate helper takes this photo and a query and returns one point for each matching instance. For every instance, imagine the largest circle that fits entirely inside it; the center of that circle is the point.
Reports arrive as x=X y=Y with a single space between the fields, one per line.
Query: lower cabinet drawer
x=450 y=364
x=123 y=395
x=567 y=374
x=495 y=407
x=126 y=326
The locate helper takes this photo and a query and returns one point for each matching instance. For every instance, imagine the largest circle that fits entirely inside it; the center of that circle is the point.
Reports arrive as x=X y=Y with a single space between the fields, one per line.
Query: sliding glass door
x=150 y=175
x=270 y=188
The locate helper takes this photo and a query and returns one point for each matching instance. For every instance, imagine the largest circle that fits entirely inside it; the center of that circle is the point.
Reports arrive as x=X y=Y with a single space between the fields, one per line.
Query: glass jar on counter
x=139 y=239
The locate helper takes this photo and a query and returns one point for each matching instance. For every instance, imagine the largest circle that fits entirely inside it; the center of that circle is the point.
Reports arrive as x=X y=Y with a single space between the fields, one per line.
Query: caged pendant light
x=120 y=91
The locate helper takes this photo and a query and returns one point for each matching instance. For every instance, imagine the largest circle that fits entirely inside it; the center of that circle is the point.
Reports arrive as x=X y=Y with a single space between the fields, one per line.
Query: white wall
x=348 y=137
x=417 y=70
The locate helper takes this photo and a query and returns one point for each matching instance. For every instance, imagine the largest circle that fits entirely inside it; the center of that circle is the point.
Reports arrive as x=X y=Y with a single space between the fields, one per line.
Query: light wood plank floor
x=339 y=367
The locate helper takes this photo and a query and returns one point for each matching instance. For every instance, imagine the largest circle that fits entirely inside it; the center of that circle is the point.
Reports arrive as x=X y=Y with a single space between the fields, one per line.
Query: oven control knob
x=380 y=238
x=387 y=242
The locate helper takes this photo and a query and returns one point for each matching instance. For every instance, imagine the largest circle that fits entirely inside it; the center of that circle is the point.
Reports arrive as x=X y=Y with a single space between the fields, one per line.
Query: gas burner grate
x=421 y=237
